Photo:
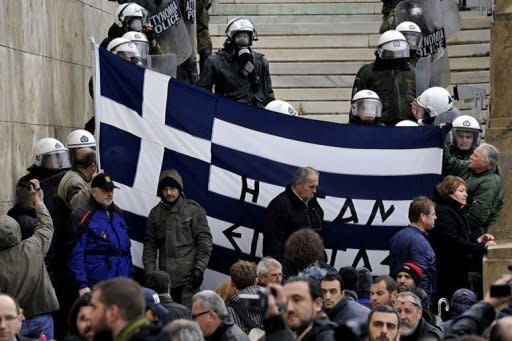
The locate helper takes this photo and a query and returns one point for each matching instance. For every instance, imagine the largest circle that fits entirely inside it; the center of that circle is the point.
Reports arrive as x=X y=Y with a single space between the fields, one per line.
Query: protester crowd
x=66 y=268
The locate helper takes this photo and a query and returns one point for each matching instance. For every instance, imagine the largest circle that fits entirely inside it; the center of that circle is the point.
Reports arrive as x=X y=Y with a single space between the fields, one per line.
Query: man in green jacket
x=485 y=196
x=23 y=274
x=177 y=229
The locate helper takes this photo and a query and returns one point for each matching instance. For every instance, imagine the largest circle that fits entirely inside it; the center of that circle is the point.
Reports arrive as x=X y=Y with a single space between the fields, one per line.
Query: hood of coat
x=170 y=174
x=10 y=233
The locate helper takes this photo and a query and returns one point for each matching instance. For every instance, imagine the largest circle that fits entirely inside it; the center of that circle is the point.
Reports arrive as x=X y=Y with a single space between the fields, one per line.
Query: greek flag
x=234 y=159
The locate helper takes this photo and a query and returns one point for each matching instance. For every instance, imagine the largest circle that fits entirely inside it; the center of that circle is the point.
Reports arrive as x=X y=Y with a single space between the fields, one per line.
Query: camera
x=255 y=302
x=502 y=290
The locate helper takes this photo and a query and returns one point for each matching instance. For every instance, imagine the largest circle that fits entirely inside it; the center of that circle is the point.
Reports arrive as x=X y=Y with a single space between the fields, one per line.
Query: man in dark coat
x=160 y=282
x=293 y=209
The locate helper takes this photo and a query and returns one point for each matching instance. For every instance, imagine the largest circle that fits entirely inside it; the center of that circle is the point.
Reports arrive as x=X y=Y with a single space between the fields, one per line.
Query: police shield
x=438 y=21
x=163 y=63
x=169 y=26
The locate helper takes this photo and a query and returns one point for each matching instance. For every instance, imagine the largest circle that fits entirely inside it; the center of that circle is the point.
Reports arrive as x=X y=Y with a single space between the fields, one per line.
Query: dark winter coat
x=276 y=330
x=176 y=310
x=395 y=83
x=348 y=310
x=103 y=248
x=26 y=217
x=451 y=241
x=472 y=322
x=286 y=214
x=228 y=331
x=180 y=234
x=424 y=330
x=222 y=70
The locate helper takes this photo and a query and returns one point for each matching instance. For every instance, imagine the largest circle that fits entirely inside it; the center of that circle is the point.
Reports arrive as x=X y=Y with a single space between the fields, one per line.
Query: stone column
x=499 y=133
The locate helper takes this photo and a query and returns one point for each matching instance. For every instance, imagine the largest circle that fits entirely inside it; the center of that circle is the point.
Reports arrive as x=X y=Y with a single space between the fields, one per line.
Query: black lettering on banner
x=379 y=206
x=254 y=242
x=362 y=255
x=246 y=190
x=334 y=254
x=231 y=235
x=349 y=204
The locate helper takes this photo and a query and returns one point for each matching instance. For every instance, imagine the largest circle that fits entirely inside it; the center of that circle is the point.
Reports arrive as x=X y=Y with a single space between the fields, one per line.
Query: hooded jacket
x=23 y=274
x=179 y=232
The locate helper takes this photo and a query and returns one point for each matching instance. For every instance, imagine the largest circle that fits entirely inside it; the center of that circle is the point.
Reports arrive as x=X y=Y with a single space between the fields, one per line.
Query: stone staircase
x=315 y=48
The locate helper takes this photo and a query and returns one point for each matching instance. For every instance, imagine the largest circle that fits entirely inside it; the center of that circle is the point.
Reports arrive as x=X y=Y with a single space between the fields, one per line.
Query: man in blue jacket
x=101 y=247
x=411 y=245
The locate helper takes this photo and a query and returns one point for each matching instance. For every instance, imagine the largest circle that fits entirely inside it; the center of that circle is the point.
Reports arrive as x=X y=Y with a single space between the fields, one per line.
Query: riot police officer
x=465 y=136
x=366 y=107
x=391 y=77
x=237 y=71
x=412 y=33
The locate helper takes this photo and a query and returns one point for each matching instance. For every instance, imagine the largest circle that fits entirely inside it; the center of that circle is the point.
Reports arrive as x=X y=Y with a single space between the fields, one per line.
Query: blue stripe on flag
x=119 y=153
x=358 y=236
x=222 y=259
x=136 y=225
x=190 y=109
x=402 y=187
x=121 y=81
x=327 y=133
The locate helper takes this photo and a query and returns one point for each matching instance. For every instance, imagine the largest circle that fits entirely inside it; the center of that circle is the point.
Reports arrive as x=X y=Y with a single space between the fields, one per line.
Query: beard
x=408 y=330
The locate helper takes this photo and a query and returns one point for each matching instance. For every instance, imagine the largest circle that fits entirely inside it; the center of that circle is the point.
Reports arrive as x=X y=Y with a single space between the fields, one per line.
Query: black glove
x=196 y=278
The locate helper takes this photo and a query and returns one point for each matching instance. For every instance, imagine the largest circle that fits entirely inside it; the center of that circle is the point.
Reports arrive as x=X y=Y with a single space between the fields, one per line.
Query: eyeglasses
x=406 y=307
x=197 y=315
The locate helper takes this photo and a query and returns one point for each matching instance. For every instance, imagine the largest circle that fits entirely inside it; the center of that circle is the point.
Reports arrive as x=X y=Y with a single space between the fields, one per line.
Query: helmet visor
x=394 y=50
x=413 y=39
x=55 y=160
x=143 y=48
x=367 y=108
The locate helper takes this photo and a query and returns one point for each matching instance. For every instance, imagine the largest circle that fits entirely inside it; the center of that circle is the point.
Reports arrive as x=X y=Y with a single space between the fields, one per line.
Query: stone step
x=358 y=54
x=306 y=8
x=340 y=81
x=317 y=28
x=346 y=41
x=276 y=19
x=351 y=68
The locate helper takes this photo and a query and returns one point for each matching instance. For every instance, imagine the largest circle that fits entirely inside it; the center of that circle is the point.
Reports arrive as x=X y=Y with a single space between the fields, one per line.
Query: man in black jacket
x=293 y=209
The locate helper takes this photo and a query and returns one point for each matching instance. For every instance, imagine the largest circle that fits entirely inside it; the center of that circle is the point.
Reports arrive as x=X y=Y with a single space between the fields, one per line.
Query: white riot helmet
x=282 y=107
x=433 y=101
x=241 y=25
x=465 y=132
x=407 y=123
x=80 y=138
x=131 y=14
x=124 y=48
x=411 y=32
x=392 y=45
x=50 y=153
x=141 y=42
x=366 y=105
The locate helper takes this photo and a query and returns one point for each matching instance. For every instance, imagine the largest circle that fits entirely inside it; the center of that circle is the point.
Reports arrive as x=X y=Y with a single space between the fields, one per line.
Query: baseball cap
x=153 y=302
x=103 y=181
